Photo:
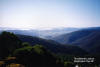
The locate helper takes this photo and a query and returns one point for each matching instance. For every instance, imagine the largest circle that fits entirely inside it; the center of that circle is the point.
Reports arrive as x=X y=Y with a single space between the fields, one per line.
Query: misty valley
x=65 y=47
x=49 y=33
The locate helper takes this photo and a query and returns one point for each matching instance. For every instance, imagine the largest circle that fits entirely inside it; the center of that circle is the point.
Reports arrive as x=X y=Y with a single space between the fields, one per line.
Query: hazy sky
x=45 y=14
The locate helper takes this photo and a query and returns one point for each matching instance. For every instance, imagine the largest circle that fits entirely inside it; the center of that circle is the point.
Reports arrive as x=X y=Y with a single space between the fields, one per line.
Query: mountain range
x=63 y=40
x=88 y=39
x=47 y=34
x=52 y=46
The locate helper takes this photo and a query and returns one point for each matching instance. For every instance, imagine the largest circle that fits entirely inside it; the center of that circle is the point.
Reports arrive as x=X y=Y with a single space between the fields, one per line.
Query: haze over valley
x=49 y=33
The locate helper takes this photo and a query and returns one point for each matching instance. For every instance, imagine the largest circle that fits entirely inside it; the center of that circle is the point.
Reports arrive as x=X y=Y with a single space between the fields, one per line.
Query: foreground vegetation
x=15 y=53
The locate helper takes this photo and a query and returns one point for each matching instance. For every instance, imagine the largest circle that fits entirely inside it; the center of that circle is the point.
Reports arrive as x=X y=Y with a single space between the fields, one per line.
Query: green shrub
x=68 y=64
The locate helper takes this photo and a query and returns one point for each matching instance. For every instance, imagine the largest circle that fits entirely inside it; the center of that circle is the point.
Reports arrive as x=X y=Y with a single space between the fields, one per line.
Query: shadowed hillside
x=13 y=52
x=52 y=45
x=28 y=51
x=88 y=39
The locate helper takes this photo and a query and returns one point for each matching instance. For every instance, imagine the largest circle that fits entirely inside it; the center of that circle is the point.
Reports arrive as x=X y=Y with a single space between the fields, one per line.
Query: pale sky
x=46 y=14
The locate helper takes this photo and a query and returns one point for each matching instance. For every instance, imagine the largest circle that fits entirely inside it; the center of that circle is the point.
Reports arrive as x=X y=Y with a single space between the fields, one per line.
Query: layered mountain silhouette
x=53 y=46
x=21 y=47
x=88 y=39
x=47 y=34
x=15 y=53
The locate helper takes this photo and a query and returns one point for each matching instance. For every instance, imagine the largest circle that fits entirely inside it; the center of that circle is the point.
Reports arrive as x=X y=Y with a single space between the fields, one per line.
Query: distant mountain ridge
x=41 y=33
x=88 y=39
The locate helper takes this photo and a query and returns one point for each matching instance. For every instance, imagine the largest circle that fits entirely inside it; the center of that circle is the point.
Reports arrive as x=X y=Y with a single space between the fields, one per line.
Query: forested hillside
x=88 y=39
x=28 y=51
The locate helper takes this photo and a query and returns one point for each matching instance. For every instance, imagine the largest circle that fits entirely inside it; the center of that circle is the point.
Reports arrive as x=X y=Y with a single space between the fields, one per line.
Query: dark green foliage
x=25 y=44
x=52 y=45
x=38 y=56
x=39 y=49
x=68 y=64
x=35 y=56
x=8 y=43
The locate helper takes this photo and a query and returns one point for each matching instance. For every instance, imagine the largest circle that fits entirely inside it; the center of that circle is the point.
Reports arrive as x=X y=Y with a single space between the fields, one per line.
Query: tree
x=35 y=56
x=8 y=43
